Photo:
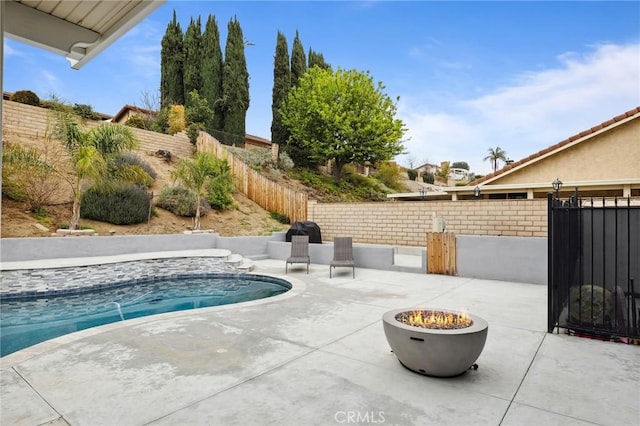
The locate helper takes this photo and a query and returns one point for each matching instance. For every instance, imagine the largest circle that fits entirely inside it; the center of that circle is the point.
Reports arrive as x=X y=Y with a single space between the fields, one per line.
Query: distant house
x=458 y=174
x=252 y=142
x=603 y=161
x=427 y=168
x=128 y=111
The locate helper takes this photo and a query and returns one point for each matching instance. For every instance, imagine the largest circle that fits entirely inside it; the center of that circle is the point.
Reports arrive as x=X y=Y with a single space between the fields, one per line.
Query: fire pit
x=435 y=342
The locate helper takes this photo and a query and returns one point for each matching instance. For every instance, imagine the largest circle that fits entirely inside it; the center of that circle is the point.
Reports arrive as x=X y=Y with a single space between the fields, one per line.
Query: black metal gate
x=594 y=267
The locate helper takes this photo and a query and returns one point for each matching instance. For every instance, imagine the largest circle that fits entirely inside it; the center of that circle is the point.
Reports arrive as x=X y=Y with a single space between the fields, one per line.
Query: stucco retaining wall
x=503 y=258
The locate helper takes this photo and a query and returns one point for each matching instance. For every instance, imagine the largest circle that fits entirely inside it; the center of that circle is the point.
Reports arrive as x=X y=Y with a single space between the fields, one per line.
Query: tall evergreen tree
x=212 y=73
x=298 y=61
x=171 y=65
x=293 y=147
x=235 y=81
x=281 y=85
x=192 y=58
x=317 y=59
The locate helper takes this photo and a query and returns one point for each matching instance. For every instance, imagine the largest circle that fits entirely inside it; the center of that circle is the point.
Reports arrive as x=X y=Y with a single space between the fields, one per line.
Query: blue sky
x=470 y=75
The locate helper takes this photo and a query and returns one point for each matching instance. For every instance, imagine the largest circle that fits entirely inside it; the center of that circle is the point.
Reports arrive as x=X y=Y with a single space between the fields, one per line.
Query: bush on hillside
x=25 y=97
x=120 y=205
x=136 y=121
x=85 y=111
x=131 y=159
x=413 y=174
x=181 y=201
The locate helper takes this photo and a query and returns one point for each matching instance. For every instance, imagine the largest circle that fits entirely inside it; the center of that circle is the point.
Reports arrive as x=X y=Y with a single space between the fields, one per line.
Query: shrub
x=175 y=120
x=193 y=130
x=413 y=174
x=280 y=217
x=131 y=159
x=136 y=121
x=285 y=162
x=181 y=201
x=25 y=97
x=389 y=174
x=121 y=205
x=220 y=189
x=428 y=178
x=28 y=175
x=85 y=111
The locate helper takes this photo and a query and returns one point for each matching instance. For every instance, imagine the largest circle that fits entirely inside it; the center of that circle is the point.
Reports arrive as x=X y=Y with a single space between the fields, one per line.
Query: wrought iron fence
x=594 y=267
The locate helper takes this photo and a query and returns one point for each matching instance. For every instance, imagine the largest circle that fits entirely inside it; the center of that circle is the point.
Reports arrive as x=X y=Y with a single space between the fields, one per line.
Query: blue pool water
x=30 y=320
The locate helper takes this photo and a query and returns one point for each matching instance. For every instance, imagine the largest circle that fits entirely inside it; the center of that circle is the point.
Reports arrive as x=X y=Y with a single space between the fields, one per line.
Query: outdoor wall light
x=423 y=193
x=476 y=191
x=557 y=184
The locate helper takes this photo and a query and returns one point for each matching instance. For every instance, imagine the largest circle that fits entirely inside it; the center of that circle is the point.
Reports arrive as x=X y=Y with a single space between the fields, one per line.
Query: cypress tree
x=192 y=57
x=298 y=61
x=171 y=65
x=235 y=82
x=281 y=85
x=212 y=73
x=293 y=147
x=317 y=59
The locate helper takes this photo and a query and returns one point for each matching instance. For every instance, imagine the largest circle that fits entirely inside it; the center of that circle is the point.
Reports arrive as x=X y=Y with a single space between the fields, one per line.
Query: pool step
x=239 y=262
x=246 y=265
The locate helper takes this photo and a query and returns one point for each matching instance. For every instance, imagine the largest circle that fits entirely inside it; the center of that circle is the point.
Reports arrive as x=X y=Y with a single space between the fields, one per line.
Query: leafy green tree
x=460 y=165
x=344 y=117
x=281 y=86
x=195 y=175
x=316 y=59
x=212 y=66
x=298 y=61
x=89 y=152
x=171 y=65
x=235 y=81
x=192 y=58
x=496 y=154
x=197 y=113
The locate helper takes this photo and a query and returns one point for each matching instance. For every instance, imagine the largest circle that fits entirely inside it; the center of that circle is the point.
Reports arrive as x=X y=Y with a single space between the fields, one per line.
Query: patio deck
x=318 y=356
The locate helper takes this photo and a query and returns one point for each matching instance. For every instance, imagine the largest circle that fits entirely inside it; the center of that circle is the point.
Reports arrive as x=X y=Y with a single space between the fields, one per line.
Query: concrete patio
x=318 y=356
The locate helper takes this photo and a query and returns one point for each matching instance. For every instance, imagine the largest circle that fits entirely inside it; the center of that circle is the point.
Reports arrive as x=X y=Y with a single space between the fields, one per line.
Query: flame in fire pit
x=441 y=320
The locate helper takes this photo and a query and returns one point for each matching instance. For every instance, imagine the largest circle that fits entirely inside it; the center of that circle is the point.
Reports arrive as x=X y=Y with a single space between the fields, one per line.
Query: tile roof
x=584 y=133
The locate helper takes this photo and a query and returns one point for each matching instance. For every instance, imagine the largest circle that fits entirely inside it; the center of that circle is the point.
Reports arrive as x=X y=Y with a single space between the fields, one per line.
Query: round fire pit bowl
x=447 y=351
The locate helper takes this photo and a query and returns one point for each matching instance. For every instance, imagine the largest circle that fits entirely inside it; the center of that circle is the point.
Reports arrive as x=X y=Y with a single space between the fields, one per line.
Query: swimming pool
x=25 y=321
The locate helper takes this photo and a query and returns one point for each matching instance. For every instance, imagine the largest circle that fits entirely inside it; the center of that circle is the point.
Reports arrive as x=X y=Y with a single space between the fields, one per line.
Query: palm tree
x=195 y=174
x=496 y=154
x=89 y=152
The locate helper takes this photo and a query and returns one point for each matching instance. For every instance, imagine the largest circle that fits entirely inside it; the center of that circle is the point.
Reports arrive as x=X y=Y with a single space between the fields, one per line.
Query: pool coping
x=99 y=260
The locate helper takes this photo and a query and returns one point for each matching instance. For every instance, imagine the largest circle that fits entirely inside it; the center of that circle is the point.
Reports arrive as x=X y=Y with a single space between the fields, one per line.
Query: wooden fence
x=441 y=253
x=267 y=193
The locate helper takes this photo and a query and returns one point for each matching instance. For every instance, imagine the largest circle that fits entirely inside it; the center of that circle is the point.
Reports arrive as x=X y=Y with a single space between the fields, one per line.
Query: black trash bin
x=305 y=228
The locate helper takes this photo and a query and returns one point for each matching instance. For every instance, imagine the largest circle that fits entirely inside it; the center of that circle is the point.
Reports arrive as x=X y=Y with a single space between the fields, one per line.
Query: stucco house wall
x=614 y=154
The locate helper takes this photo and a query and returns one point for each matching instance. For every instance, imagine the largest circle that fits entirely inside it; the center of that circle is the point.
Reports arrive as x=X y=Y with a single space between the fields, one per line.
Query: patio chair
x=342 y=254
x=299 y=251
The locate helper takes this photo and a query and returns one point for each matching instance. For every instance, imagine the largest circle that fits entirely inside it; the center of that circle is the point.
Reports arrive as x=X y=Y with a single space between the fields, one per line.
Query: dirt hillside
x=246 y=219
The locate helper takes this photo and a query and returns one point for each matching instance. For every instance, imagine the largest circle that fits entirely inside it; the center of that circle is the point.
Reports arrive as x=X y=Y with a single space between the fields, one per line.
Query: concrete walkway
x=318 y=356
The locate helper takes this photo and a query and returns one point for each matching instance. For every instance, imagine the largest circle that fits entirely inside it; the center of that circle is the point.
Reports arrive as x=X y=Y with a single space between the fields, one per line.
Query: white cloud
x=536 y=110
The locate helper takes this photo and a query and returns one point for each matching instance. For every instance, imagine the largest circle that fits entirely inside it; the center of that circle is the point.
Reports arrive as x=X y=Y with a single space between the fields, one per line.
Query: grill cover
x=305 y=228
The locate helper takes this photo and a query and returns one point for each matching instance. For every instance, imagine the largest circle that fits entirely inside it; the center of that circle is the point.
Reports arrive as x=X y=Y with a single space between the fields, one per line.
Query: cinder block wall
x=27 y=121
x=406 y=223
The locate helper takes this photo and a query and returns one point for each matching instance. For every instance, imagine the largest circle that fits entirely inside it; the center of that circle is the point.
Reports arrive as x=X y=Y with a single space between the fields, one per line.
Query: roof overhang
x=79 y=30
